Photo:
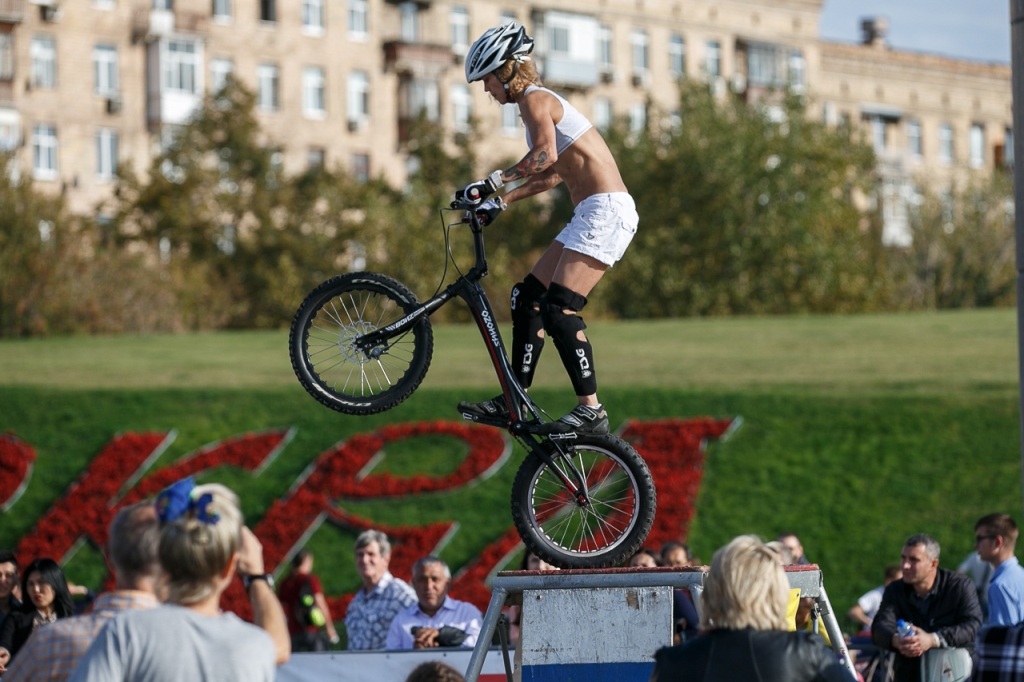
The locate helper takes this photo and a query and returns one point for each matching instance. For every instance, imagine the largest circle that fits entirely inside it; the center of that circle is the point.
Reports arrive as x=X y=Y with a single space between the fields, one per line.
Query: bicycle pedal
x=479 y=419
x=562 y=436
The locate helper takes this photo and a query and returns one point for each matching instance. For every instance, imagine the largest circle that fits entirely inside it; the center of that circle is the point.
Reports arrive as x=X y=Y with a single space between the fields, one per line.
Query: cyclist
x=564 y=147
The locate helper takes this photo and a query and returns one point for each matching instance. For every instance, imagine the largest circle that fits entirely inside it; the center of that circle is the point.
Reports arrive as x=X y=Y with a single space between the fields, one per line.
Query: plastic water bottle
x=904 y=628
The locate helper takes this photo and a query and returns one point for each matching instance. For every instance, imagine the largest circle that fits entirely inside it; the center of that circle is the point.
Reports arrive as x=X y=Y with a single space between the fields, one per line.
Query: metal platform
x=508 y=586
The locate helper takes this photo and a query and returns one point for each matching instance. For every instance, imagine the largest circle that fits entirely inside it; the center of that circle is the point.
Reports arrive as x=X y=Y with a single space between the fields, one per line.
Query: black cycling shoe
x=582 y=420
x=495 y=408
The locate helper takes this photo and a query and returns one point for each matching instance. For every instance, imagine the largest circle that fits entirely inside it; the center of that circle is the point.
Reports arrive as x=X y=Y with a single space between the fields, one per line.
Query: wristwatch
x=266 y=577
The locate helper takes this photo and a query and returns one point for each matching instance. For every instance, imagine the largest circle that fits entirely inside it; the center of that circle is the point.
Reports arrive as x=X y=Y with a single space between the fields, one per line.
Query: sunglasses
x=981 y=538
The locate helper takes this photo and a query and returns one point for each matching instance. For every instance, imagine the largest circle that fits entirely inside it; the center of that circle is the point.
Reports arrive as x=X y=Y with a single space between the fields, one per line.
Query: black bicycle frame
x=525 y=413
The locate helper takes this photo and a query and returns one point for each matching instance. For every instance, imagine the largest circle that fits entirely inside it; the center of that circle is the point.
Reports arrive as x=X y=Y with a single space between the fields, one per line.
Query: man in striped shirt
x=52 y=652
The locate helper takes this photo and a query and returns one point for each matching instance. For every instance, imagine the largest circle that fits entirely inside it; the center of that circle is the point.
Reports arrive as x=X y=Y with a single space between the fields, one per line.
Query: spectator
x=437 y=619
x=434 y=671
x=51 y=654
x=532 y=562
x=941 y=605
x=995 y=537
x=863 y=612
x=383 y=595
x=980 y=573
x=784 y=553
x=792 y=543
x=305 y=607
x=744 y=617
x=202 y=544
x=645 y=557
x=9 y=601
x=47 y=599
x=675 y=554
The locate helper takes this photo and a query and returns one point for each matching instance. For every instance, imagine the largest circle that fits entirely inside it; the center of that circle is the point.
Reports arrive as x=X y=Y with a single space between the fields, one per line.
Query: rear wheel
x=605 y=528
x=324 y=354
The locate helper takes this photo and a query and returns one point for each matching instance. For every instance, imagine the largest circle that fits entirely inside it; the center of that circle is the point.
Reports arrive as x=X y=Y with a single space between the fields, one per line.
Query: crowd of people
x=173 y=559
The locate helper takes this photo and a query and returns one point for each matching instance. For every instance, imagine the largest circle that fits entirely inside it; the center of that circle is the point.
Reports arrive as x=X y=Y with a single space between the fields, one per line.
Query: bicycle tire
x=321 y=344
x=555 y=528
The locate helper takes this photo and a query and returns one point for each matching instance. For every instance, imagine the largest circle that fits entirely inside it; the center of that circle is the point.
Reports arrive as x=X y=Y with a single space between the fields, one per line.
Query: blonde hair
x=195 y=553
x=746 y=588
x=524 y=78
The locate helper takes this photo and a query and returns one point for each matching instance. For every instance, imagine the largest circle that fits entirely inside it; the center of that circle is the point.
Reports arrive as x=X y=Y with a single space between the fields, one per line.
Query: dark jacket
x=15 y=631
x=750 y=655
x=952 y=612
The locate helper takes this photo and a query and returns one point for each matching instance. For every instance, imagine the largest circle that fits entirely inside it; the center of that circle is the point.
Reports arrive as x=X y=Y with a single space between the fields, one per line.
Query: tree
x=744 y=209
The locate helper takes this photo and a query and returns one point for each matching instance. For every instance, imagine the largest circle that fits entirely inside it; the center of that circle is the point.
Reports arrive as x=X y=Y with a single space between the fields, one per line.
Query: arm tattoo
x=530 y=165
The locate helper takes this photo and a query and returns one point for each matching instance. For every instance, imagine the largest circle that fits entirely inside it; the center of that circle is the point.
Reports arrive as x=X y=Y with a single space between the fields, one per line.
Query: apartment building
x=85 y=84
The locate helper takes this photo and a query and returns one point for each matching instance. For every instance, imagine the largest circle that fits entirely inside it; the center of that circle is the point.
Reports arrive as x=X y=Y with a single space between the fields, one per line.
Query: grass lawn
x=858 y=430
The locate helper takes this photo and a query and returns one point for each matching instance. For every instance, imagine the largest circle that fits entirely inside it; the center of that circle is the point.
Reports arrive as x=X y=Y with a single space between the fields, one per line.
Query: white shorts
x=602 y=227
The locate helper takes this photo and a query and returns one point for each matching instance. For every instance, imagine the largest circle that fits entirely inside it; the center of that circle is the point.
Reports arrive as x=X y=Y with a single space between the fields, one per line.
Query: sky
x=970 y=29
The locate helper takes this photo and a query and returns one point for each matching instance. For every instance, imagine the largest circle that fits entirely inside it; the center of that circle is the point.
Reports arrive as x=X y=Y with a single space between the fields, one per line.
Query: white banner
x=382 y=666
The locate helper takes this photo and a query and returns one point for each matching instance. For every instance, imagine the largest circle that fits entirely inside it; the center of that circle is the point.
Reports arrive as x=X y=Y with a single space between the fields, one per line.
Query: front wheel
x=602 y=530
x=333 y=369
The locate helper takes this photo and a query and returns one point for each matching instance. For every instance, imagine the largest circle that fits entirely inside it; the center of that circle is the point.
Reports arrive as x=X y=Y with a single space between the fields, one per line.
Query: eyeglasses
x=982 y=538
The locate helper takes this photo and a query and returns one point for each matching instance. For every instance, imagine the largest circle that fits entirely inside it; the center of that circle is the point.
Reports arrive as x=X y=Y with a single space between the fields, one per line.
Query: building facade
x=88 y=84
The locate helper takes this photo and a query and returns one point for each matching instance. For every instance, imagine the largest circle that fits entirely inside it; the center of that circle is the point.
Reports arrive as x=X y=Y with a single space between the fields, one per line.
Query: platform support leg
x=483 y=642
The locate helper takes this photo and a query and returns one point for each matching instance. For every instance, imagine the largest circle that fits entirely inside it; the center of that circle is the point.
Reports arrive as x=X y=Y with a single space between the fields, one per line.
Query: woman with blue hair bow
x=203 y=543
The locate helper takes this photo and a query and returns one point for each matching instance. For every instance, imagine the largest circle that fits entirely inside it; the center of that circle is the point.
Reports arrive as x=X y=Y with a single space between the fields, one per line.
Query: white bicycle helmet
x=495 y=47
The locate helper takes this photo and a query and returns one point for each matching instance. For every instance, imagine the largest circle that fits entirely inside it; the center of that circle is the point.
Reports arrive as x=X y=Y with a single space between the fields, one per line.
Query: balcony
x=6 y=93
x=571 y=73
x=418 y=60
x=12 y=11
x=149 y=25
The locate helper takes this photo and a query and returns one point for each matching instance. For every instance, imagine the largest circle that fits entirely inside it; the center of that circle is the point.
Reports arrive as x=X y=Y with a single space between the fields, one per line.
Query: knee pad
x=565 y=329
x=527 y=328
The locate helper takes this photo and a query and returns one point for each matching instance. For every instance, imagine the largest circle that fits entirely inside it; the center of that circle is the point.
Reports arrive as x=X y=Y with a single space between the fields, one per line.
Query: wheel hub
x=347 y=343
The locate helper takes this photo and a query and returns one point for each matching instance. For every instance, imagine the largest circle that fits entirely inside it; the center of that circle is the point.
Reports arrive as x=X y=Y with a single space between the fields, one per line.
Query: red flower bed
x=16 y=457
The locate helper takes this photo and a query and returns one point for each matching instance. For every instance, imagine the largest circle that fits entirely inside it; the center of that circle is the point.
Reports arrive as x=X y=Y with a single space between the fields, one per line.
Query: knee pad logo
x=515 y=295
x=584 y=363
x=528 y=357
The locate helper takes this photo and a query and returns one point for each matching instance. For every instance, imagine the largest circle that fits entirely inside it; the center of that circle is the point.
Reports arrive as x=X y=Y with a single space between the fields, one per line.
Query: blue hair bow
x=179 y=500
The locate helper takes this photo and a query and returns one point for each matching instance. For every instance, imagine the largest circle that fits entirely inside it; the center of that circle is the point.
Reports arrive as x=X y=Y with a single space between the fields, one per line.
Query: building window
x=106 y=154
x=6 y=56
x=637 y=117
x=946 y=143
x=419 y=96
x=358 y=23
x=977 y=143
x=358 y=97
x=313 y=17
x=43 y=52
x=10 y=135
x=220 y=69
x=510 y=120
x=677 y=55
x=267 y=82
x=797 y=71
x=268 y=10
x=639 y=40
x=604 y=48
x=222 y=10
x=163 y=5
x=462 y=107
x=914 y=138
x=713 y=59
x=44 y=152
x=409 y=22
x=180 y=66
x=104 y=61
x=314 y=89
x=602 y=113
x=459 y=21
x=878 y=133
x=558 y=36
x=315 y=158
x=361 y=167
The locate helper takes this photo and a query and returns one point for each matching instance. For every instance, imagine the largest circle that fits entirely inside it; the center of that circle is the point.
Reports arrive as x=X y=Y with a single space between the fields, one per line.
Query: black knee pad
x=564 y=328
x=527 y=325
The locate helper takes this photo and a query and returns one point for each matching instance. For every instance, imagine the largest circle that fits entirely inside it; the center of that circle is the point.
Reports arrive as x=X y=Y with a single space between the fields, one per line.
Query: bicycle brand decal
x=491 y=329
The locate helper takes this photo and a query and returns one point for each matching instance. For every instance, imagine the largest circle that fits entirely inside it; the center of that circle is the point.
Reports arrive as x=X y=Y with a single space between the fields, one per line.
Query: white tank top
x=567 y=130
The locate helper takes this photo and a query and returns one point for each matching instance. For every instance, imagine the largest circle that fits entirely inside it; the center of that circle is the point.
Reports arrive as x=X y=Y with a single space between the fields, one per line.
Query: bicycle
x=361 y=343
